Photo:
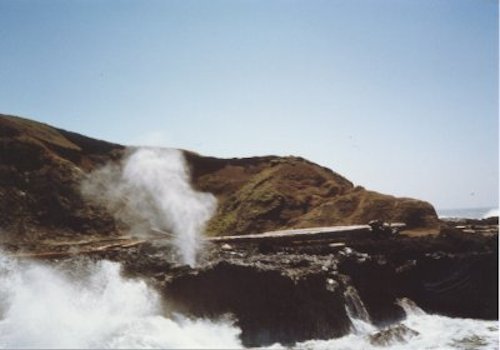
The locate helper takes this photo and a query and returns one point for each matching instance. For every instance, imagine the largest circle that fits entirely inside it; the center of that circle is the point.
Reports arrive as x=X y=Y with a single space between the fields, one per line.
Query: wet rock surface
x=292 y=293
x=270 y=306
x=393 y=335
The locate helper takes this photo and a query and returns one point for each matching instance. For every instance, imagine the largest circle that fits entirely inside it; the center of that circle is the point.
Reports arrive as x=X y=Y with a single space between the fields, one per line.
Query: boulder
x=393 y=335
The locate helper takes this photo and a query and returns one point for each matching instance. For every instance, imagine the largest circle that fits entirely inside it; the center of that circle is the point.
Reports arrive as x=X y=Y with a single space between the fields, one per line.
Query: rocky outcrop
x=453 y=274
x=295 y=292
x=289 y=294
x=268 y=304
x=41 y=168
x=268 y=193
x=392 y=335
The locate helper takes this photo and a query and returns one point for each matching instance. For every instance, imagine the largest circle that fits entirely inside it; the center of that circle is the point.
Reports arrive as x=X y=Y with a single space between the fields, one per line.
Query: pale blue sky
x=400 y=96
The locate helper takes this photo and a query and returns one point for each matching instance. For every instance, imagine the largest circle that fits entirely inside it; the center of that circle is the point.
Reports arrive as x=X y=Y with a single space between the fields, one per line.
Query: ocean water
x=426 y=332
x=93 y=306
x=467 y=213
x=90 y=305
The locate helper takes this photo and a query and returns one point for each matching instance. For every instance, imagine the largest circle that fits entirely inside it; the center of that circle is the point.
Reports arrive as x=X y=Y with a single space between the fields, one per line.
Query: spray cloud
x=89 y=305
x=150 y=190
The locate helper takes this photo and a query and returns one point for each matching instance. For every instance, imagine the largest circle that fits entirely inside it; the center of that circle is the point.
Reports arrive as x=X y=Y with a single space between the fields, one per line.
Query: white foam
x=467 y=213
x=435 y=332
x=491 y=213
x=43 y=307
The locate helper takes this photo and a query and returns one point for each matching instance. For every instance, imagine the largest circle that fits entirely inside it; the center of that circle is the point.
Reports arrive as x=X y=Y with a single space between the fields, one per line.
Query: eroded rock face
x=269 y=305
x=272 y=297
x=290 y=294
x=454 y=274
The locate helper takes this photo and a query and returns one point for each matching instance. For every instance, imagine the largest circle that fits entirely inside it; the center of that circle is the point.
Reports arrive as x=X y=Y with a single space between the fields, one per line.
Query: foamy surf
x=467 y=213
x=425 y=331
x=90 y=305
x=491 y=213
x=93 y=306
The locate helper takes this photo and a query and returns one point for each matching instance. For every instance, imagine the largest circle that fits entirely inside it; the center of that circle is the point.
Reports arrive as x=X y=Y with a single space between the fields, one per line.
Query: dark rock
x=394 y=334
x=269 y=306
x=452 y=274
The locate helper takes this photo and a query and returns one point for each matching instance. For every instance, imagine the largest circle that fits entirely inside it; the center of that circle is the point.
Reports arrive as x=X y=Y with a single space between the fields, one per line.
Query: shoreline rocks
x=292 y=293
x=289 y=294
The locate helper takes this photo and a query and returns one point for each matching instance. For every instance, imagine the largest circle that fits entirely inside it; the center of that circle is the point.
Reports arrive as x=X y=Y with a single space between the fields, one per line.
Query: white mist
x=94 y=307
x=150 y=189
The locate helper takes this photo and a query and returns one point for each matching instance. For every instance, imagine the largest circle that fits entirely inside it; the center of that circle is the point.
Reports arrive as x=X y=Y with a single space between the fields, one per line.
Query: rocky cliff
x=41 y=168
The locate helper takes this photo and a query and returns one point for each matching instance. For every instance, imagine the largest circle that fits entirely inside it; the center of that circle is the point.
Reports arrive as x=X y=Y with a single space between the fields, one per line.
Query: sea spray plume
x=161 y=176
x=150 y=189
